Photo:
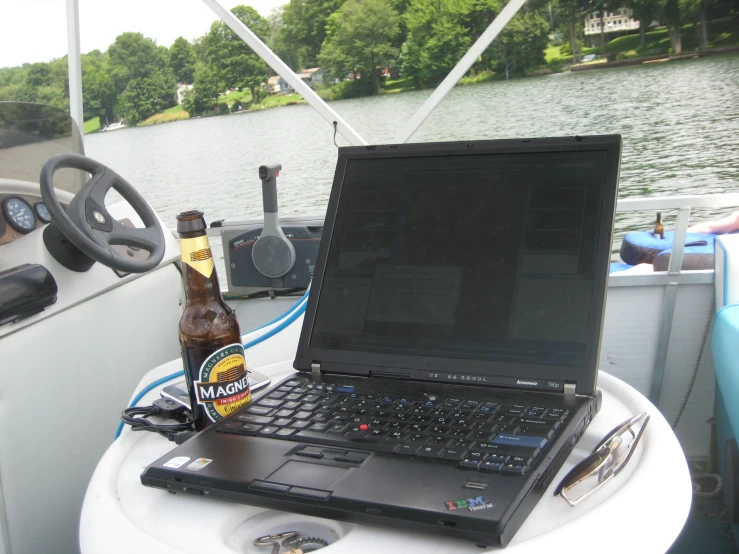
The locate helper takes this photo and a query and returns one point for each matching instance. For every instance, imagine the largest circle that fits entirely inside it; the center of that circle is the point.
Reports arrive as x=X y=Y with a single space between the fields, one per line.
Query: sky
x=36 y=30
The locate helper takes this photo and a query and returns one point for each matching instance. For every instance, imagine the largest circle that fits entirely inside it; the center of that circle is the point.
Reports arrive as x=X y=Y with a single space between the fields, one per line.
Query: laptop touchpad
x=306 y=474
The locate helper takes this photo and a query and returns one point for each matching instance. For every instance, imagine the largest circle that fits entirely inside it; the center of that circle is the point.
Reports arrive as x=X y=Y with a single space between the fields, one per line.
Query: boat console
x=74 y=341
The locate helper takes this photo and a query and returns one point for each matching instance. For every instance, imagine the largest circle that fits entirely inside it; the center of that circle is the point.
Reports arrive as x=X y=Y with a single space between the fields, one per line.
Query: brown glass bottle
x=659 y=229
x=212 y=352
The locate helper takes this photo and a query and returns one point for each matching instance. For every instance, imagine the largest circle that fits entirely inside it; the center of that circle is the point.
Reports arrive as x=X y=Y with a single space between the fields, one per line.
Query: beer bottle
x=212 y=352
x=659 y=229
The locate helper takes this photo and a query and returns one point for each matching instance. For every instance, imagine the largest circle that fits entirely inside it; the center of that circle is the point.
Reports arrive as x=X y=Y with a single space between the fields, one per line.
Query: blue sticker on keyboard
x=516 y=440
x=344 y=388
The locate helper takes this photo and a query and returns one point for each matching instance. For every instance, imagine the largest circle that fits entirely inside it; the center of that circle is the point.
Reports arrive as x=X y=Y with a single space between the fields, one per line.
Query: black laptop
x=448 y=358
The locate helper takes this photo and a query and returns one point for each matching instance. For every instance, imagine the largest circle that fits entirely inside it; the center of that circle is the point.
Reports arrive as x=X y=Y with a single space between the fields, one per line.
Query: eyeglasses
x=606 y=461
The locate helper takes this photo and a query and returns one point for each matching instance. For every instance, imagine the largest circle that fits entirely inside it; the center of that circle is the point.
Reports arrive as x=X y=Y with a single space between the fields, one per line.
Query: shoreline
x=656 y=59
x=536 y=73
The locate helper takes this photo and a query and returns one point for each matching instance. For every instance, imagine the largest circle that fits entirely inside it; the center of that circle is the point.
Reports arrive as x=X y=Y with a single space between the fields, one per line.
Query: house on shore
x=615 y=24
x=278 y=85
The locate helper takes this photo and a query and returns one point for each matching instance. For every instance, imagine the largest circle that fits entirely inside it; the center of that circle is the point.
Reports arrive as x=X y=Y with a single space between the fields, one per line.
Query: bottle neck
x=198 y=270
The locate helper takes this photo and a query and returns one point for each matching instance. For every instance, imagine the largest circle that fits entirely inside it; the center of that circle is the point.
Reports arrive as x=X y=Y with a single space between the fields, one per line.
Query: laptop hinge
x=570 y=389
x=315 y=368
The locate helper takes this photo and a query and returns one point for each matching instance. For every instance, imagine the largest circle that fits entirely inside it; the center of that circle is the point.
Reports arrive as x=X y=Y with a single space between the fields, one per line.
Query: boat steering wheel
x=87 y=223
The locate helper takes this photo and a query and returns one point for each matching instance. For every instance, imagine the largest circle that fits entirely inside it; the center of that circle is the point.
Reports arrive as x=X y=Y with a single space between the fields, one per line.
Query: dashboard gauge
x=43 y=212
x=19 y=214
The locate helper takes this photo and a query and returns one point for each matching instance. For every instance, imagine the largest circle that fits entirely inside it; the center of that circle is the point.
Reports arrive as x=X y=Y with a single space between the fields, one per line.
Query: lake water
x=679 y=122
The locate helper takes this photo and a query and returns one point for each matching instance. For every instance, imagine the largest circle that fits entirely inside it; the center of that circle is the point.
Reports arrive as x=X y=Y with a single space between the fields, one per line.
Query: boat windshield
x=30 y=134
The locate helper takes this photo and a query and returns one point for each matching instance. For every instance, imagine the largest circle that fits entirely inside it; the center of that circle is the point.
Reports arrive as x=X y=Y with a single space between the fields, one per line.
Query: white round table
x=641 y=510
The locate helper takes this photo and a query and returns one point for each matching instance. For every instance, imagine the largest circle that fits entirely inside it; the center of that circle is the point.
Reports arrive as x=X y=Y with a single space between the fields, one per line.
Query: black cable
x=137 y=418
x=336 y=126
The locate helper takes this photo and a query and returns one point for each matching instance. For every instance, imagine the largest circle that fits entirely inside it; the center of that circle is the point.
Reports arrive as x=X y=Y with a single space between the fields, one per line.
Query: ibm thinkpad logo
x=471 y=504
x=527 y=383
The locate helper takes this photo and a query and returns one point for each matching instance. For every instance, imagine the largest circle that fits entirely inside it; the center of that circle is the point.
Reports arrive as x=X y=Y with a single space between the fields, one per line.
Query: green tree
x=141 y=74
x=437 y=38
x=99 y=93
x=304 y=29
x=570 y=14
x=520 y=47
x=236 y=65
x=204 y=95
x=644 y=11
x=182 y=60
x=671 y=14
x=360 y=36
x=697 y=10
x=145 y=96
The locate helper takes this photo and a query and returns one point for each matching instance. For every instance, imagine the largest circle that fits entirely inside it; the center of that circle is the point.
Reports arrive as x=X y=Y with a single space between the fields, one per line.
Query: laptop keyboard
x=479 y=435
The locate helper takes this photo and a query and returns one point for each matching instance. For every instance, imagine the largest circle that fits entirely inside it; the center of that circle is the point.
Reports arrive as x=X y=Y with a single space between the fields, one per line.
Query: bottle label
x=196 y=253
x=223 y=386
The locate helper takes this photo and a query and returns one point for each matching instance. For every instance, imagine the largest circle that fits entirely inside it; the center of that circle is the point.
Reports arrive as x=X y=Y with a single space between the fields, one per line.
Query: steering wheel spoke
x=146 y=237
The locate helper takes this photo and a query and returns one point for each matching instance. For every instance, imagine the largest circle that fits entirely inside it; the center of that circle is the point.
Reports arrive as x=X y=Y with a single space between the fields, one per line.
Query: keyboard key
x=519 y=461
x=338 y=428
x=506 y=450
x=355 y=433
x=454 y=454
x=249 y=418
x=397 y=437
x=285 y=433
x=439 y=441
x=535 y=432
x=482 y=436
x=270 y=402
x=476 y=455
x=259 y=410
x=429 y=451
x=468 y=463
x=295 y=382
x=417 y=440
x=277 y=395
x=282 y=422
x=516 y=440
x=230 y=427
x=285 y=413
x=514 y=469
x=290 y=405
x=407 y=450
x=345 y=388
x=302 y=415
x=294 y=396
x=300 y=424
x=527 y=421
x=493 y=467
x=319 y=426
x=267 y=431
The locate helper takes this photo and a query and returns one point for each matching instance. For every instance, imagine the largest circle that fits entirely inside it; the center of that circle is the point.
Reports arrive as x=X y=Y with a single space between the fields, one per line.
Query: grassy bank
x=175 y=113
x=92 y=125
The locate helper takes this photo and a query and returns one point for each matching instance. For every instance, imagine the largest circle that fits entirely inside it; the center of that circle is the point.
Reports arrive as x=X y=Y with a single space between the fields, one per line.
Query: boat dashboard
x=21 y=214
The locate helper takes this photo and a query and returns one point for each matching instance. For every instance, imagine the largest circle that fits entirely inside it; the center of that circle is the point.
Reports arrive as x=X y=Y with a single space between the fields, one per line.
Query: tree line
x=421 y=39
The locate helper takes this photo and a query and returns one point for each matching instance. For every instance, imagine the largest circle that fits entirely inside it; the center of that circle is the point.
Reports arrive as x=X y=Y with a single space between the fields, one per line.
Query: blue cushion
x=616 y=267
x=642 y=247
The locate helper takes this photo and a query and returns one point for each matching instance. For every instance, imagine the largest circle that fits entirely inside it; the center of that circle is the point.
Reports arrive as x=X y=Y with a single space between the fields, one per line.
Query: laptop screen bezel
x=415 y=367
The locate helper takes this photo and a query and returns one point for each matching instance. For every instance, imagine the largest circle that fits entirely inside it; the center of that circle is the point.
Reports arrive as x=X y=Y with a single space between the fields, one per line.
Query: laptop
x=448 y=357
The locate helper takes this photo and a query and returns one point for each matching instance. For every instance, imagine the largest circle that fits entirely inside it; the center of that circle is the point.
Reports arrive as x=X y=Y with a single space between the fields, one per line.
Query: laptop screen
x=483 y=257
